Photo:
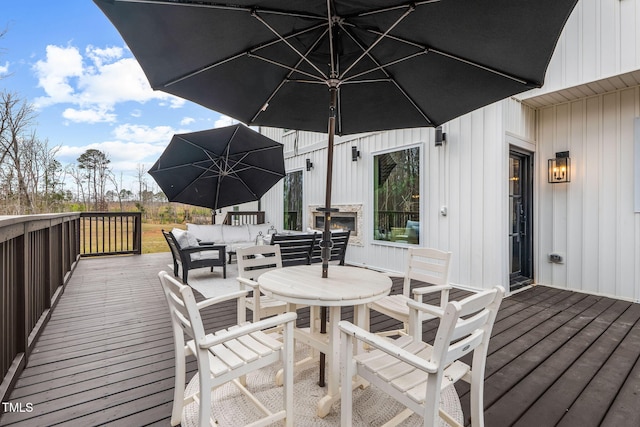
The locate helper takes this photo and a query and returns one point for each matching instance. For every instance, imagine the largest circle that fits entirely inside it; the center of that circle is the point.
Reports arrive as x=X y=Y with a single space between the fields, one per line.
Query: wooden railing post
x=32 y=277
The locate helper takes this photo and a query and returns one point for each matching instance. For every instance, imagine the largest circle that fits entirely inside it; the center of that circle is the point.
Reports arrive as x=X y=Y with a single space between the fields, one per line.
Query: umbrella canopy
x=219 y=167
x=396 y=64
x=343 y=66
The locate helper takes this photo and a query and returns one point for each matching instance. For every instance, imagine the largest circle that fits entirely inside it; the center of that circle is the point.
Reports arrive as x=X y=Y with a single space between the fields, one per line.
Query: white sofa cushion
x=235 y=233
x=207 y=233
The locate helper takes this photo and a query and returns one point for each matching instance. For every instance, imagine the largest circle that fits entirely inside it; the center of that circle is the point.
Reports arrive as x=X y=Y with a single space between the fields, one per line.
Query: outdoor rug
x=371 y=407
x=212 y=284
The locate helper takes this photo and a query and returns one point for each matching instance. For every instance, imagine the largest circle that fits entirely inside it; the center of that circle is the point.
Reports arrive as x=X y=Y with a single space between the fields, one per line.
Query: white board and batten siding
x=588 y=106
x=467 y=175
x=591 y=220
x=601 y=39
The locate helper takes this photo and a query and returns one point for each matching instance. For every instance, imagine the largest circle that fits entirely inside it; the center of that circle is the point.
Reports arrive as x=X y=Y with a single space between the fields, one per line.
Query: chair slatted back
x=340 y=240
x=184 y=310
x=466 y=326
x=173 y=245
x=427 y=265
x=253 y=261
x=295 y=249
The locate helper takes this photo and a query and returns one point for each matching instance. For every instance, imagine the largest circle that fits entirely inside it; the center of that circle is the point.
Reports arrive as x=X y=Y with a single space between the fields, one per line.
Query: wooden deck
x=106 y=356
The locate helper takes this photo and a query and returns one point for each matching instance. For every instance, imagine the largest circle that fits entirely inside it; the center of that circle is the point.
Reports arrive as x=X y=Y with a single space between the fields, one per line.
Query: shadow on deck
x=106 y=357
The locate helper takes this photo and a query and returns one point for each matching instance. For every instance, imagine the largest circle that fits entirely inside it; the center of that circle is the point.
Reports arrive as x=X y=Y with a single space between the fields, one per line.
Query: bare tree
x=118 y=190
x=78 y=178
x=16 y=116
x=141 y=173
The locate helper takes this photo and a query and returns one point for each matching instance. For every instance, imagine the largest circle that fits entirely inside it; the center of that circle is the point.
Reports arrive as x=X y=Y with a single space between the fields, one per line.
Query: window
x=396 y=196
x=293 y=201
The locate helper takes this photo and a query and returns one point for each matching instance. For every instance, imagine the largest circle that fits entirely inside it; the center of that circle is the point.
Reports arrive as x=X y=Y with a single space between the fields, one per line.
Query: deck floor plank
x=556 y=357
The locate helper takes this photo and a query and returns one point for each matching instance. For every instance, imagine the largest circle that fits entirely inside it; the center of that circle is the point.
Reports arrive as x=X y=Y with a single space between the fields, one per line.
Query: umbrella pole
x=326 y=235
x=326 y=243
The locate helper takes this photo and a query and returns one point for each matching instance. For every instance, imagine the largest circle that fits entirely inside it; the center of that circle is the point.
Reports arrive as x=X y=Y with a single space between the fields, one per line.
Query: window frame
x=422 y=203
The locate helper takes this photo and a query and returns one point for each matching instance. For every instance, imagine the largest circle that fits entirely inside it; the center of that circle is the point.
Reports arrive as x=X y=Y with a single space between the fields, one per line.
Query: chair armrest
x=443 y=289
x=206 y=243
x=221 y=298
x=192 y=249
x=252 y=283
x=430 y=289
x=211 y=340
x=426 y=308
x=386 y=346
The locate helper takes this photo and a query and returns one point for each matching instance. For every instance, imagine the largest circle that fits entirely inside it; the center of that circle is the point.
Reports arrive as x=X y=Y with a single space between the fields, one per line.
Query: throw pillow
x=186 y=240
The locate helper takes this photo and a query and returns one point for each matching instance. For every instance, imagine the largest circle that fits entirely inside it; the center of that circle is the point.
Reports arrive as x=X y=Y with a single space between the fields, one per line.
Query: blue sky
x=69 y=62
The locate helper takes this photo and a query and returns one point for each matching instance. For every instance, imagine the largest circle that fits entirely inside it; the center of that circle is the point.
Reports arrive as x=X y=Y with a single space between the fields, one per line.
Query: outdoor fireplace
x=339 y=221
x=349 y=217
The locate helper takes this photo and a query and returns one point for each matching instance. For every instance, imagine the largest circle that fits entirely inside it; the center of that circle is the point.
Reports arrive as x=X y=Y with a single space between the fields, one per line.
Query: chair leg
x=346 y=391
x=288 y=365
x=185 y=273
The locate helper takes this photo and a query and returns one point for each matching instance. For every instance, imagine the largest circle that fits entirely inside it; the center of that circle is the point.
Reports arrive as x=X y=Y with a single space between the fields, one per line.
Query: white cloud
x=187 y=121
x=131 y=145
x=4 y=69
x=224 y=121
x=55 y=74
x=94 y=83
x=146 y=134
x=88 y=116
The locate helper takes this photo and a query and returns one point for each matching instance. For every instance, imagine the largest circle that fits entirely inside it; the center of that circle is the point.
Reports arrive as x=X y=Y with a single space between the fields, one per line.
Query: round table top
x=345 y=285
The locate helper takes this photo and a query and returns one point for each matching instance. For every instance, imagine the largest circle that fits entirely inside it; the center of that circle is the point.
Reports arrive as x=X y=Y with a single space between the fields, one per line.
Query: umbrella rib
x=224 y=160
x=331 y=47
x=400 y=6
x=381 y=67
x=294 y=69
x=393 y=80
x=285 y=41
x=426 y=49
x=250 y=52
x=286 y=67
x=483 y=67
x=381 y=37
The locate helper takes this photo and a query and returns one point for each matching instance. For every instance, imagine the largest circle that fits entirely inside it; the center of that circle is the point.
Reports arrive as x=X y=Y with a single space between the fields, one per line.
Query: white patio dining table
x=345 y=286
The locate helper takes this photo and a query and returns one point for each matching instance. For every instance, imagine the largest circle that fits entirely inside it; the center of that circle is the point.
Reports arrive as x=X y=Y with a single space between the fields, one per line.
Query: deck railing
x=110 y=233
x=37 y=255
x=244 y=217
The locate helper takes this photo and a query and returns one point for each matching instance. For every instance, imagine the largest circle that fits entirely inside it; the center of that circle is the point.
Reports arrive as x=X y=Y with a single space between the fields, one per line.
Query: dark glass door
x=520 y=230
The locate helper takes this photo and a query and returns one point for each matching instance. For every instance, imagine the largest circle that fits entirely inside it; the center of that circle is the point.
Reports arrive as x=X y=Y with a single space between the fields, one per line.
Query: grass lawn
x=152 y=239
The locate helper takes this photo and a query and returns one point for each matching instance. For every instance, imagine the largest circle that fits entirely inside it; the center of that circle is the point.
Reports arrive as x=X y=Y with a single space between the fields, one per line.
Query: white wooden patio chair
x=415 y=373
x=252 y=262
x=428 y=265
x=226 y=356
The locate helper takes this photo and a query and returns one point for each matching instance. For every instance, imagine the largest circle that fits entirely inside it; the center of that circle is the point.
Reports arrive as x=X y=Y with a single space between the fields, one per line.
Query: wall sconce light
x=440 y=136
x=560 y=168
x=355 y=154
x=309 y=165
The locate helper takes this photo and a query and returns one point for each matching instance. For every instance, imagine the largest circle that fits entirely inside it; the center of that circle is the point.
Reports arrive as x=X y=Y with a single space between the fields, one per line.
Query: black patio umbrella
x=358 y=65
x=219 y=167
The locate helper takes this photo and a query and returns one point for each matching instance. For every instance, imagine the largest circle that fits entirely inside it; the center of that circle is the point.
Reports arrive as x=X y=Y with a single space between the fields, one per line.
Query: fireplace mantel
x=355 y=237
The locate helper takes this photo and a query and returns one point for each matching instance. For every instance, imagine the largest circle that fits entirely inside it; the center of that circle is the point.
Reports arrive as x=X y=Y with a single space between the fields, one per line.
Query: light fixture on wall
x=560 y=168
x=355 y=154
x=440 y=136
x=309 y=165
